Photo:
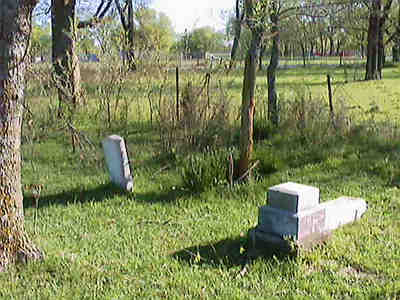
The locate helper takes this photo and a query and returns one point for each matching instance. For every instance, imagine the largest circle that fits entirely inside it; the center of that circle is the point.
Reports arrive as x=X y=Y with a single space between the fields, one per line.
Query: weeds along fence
x=115 y=97
x=208 y=103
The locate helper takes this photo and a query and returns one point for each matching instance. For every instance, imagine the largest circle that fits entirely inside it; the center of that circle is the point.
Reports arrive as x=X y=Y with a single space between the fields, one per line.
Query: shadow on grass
x=167 y=197
x=225 y=253
x=78 y=195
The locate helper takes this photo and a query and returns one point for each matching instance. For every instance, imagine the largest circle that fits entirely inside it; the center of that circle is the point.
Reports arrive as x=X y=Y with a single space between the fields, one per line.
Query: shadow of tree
x=78 y=195
x=100 y=193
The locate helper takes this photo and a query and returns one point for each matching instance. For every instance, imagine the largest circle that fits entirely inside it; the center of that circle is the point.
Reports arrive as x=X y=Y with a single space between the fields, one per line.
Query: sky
x=192 y=14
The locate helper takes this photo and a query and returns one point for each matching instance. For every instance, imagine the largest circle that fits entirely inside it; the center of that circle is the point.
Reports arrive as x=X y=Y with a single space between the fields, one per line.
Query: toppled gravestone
x=295 y=215
x=118 y=162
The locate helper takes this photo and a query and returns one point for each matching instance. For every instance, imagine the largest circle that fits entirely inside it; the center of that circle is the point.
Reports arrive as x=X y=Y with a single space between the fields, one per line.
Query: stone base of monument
x=294 y=218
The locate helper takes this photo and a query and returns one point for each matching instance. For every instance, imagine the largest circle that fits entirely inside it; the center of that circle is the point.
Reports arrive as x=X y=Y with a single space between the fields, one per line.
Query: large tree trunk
x=248 y=100
x=64 y=57
x=15 y=28
x=273 y=113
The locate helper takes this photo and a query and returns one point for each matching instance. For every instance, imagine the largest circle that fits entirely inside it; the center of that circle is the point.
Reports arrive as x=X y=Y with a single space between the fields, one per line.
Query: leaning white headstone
x=118 y=162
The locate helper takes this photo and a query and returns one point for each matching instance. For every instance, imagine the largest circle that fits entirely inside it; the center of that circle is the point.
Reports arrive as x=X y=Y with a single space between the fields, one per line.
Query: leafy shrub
x=270 y=161
x=204 y=170
x=262 y=129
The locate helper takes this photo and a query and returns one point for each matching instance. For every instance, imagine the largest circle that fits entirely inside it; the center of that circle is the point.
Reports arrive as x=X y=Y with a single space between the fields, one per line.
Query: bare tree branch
x=98 y=17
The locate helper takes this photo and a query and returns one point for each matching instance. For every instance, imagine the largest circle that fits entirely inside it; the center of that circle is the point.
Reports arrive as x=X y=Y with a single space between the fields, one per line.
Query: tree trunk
x=395 y=53
x=372 y=71
x=248 y=100
x=375 y=48
x=321 y=40
x=238 y=30
x=396 y=47
x=303 y=53
x=338 y=47
x=260 y=57
x=65 y=60
x=15 y=28
x=130 y=36
x=127 y=21
x=248 y=106
x=331 y=46
x=273 y=113
x=381 y=44
x=312 y=48
x=286 y=50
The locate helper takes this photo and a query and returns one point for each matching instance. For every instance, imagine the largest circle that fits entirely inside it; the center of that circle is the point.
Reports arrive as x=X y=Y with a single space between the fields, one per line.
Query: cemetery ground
x=171 y=240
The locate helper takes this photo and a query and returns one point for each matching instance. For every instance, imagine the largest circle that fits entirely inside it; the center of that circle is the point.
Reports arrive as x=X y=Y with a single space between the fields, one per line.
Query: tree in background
x=396 y=35
x=64 y=24
x=206 y=39
x=64 y=54
x=154 y=31
x=201 y=40
x=274 y=14
x=15 y=29
x=378 y=13
x=243 y=42
x=40 y=42
x=86 y=42
x=237 y=30
x=126 y=10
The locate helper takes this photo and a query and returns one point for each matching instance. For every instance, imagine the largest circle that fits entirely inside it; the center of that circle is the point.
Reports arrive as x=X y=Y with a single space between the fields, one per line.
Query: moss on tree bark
x=15 y=30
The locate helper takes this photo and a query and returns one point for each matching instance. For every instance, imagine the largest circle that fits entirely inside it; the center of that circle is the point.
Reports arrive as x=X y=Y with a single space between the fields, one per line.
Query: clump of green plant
x=270 y=161
x=207 y=169
x=262 y=129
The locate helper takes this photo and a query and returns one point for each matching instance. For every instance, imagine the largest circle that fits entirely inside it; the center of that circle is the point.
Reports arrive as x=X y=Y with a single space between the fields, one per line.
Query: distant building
x=90 y=57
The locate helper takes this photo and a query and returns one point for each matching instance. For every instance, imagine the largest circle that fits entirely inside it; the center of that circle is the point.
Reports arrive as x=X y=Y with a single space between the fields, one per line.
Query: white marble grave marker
x=294 y=212
x=117 y=161
x=293 y=197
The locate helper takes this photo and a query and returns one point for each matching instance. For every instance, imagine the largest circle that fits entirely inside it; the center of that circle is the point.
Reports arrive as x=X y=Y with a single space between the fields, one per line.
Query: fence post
x=177 y=94
x=330 y=100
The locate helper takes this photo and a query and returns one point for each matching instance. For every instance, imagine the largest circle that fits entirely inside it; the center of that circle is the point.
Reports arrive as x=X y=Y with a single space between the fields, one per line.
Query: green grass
x=163 y=242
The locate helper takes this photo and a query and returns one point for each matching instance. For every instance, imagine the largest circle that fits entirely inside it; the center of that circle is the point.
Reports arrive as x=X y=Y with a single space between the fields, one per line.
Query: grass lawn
x=165 y=242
